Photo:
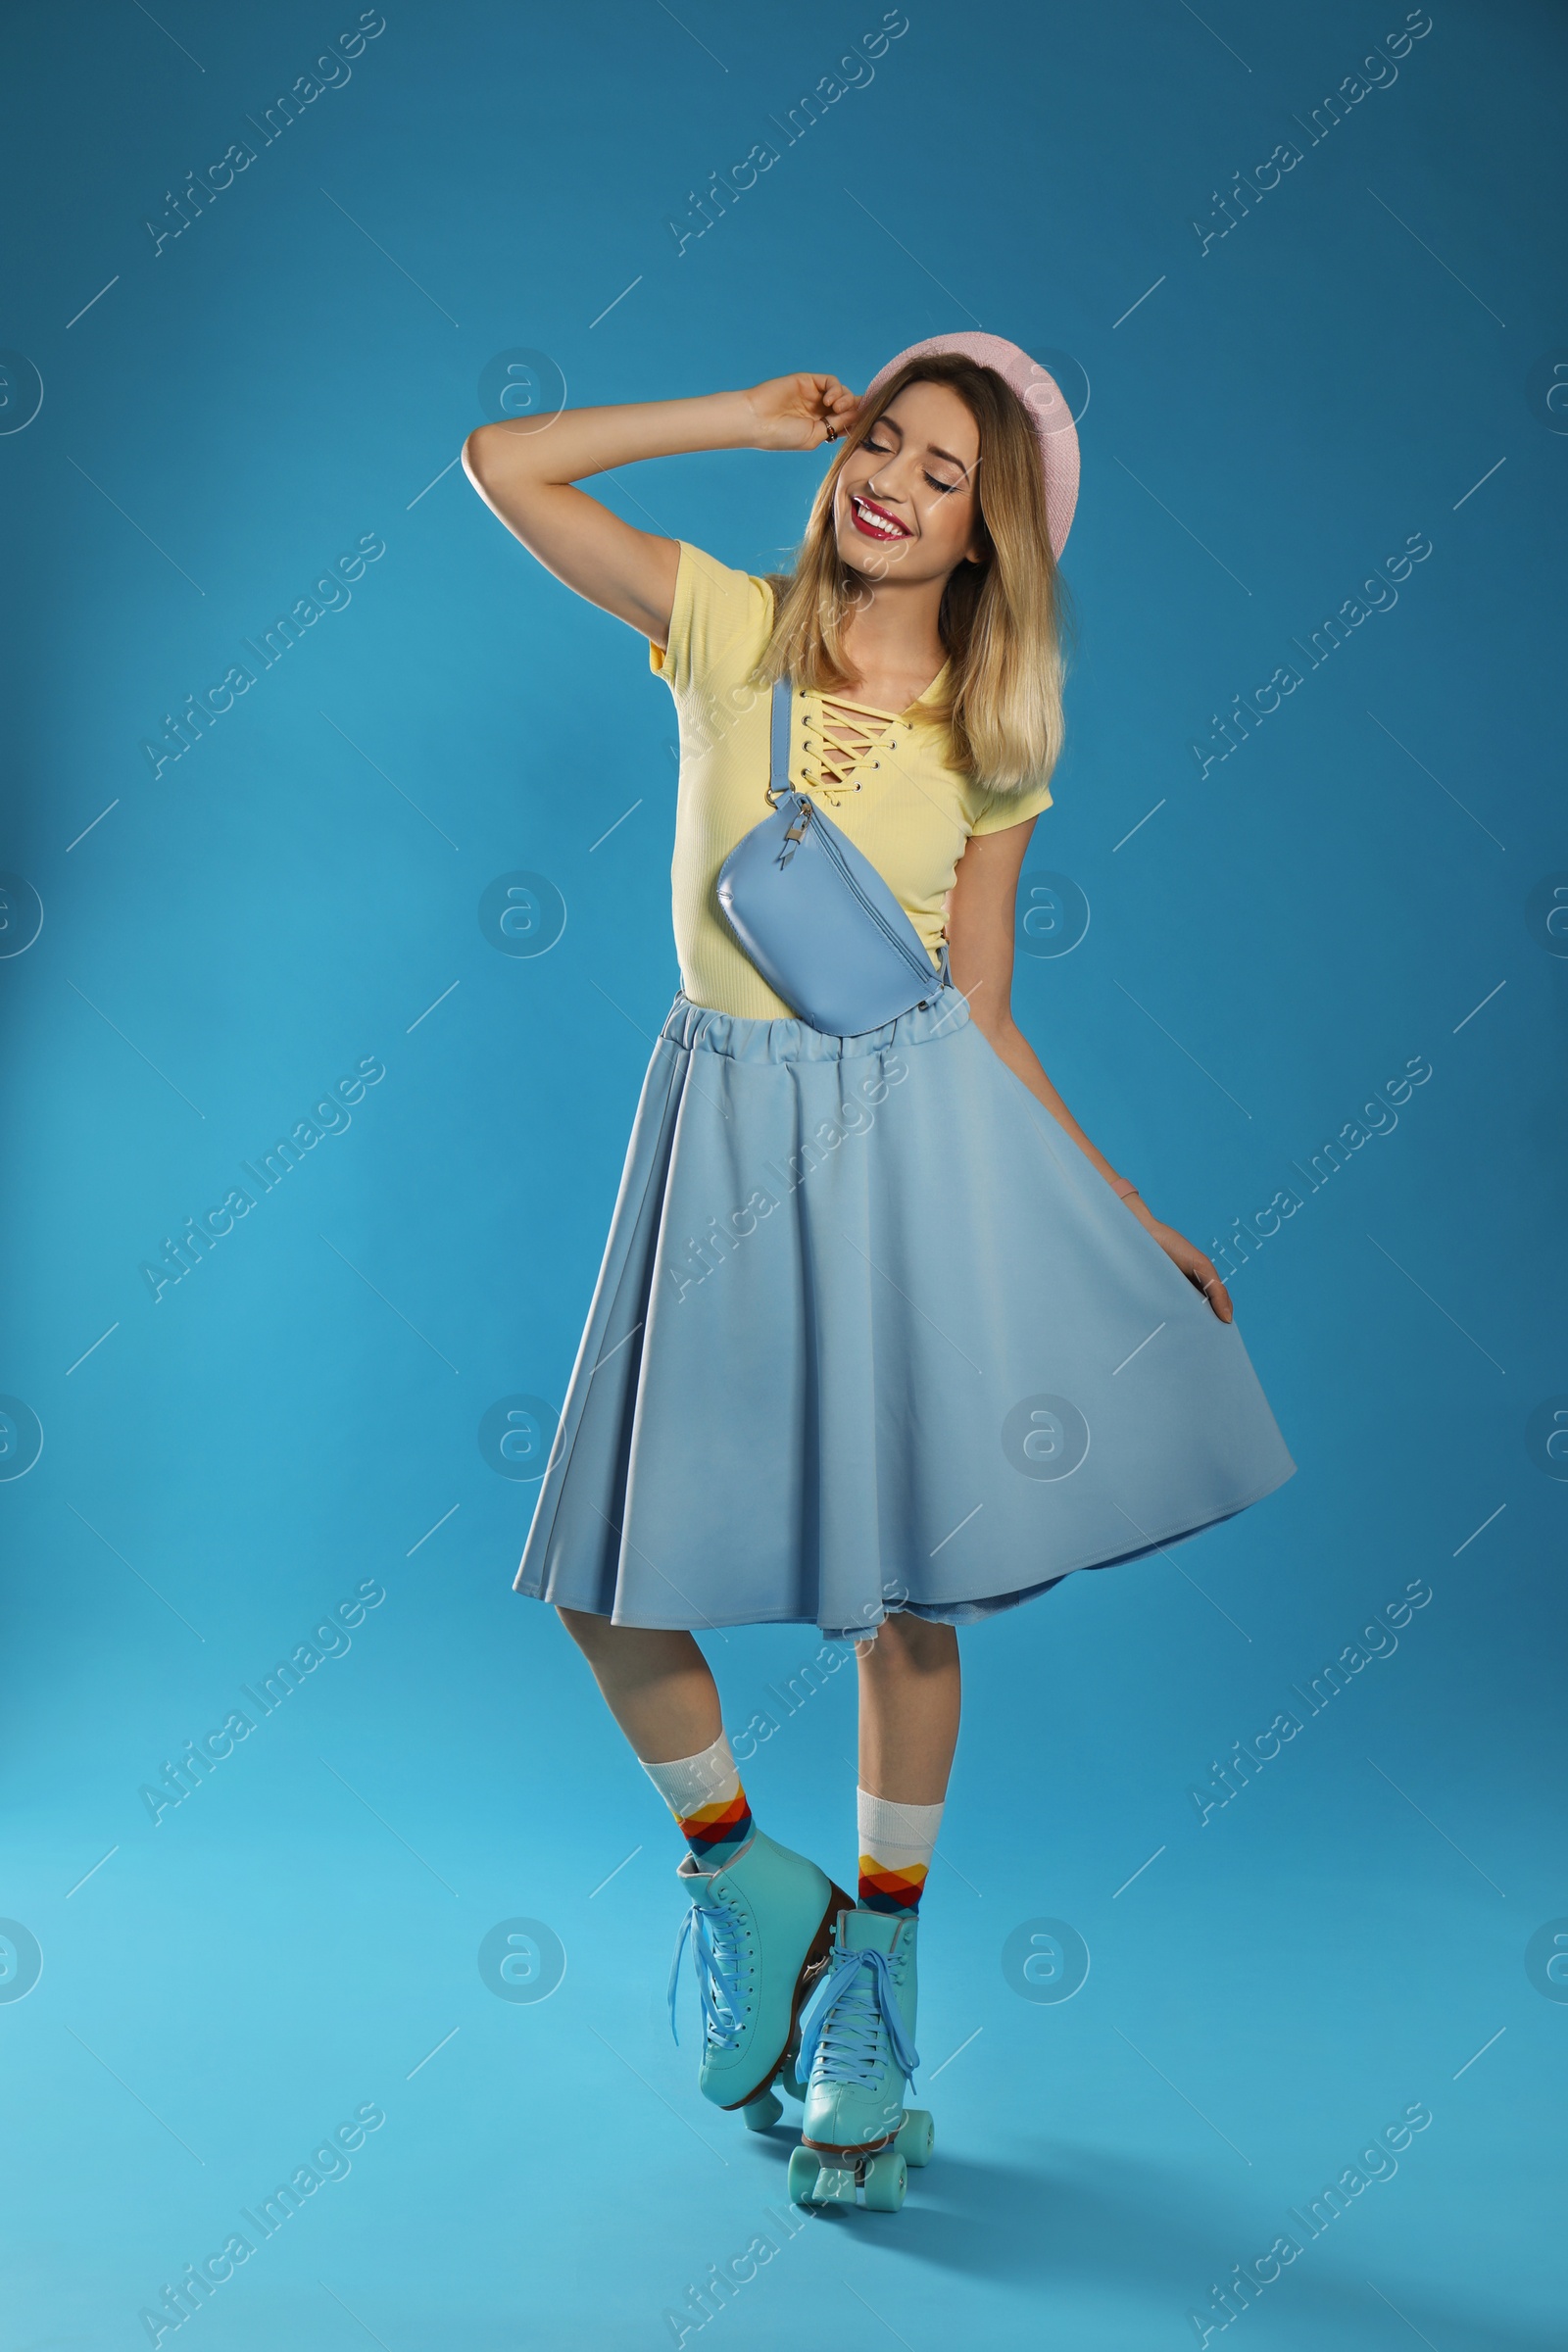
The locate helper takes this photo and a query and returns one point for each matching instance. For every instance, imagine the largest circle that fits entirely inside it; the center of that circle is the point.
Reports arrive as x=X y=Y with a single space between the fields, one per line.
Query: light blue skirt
x=871 y=1334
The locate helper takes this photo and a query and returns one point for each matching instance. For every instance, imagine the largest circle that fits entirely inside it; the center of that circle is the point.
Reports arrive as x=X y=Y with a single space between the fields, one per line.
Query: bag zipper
x=916 y=961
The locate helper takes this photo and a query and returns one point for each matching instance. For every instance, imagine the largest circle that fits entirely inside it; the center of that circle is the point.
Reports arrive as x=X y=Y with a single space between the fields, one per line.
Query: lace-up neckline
x=846 y=742
x=841 y=739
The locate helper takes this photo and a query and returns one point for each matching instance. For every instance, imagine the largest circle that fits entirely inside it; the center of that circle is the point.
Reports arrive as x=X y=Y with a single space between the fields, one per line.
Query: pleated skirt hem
x=969 y=1612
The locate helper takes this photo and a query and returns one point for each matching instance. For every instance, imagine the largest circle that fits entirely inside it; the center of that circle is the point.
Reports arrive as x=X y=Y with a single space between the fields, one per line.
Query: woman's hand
x=1198 y=1269
x=800 y=412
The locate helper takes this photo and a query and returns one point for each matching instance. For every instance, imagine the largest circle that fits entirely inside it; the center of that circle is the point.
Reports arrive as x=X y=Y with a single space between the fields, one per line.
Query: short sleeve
x=997 y=810
x=718 y=624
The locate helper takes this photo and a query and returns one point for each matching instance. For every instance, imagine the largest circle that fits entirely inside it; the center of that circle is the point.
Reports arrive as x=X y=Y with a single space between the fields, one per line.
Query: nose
x=876 y=487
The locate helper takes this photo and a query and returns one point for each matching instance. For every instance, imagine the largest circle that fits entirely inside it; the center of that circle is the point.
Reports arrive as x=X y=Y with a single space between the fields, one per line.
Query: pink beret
x=1040 y=396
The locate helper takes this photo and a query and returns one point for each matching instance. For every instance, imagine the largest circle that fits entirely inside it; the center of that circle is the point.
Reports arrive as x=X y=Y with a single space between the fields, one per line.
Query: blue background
x=224 y=417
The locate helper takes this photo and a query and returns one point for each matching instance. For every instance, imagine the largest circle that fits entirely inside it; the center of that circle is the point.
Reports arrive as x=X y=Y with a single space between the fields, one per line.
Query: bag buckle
x=795 y=833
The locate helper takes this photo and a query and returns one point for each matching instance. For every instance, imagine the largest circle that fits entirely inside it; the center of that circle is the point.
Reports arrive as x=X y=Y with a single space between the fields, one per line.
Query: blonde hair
x=1003 y=620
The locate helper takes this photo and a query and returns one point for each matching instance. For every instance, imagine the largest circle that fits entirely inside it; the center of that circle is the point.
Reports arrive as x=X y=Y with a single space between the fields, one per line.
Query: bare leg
x=909 y=1699
x=656 y=1684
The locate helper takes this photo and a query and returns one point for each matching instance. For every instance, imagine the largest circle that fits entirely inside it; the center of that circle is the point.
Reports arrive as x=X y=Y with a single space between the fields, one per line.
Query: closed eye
x=881 y=448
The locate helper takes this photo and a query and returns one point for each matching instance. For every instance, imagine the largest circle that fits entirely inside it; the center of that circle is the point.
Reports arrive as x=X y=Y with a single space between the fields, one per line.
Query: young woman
x=880 y=1341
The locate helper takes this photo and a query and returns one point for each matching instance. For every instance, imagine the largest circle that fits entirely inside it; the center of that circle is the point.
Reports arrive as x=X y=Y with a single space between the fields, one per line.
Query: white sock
x=897 y=1843
x=705 y=1793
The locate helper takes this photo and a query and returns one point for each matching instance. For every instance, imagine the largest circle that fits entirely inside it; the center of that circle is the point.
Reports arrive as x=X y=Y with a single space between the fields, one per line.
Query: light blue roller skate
x=857 y=2055
x=761 y=1930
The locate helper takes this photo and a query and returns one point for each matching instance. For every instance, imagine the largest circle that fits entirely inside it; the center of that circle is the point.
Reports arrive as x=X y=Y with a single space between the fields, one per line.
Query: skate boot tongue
x=872 y=1931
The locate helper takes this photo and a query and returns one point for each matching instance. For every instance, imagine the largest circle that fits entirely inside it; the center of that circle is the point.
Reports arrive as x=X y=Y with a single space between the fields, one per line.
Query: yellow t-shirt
x=886 y=782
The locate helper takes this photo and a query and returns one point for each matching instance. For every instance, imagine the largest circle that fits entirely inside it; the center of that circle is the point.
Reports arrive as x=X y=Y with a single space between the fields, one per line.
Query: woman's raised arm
x=525 y=472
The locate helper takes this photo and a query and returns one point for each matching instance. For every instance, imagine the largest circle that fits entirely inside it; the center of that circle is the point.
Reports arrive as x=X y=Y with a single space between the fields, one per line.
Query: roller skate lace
x=855 y=2001
x=720 y=1959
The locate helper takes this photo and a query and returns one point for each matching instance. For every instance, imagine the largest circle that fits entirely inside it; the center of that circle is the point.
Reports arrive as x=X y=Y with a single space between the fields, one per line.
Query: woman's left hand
x=1198 y=1269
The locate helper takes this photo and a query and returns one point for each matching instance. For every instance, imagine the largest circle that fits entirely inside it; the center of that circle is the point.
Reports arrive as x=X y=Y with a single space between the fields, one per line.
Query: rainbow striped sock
x=897 y=1843
x=705 y=1793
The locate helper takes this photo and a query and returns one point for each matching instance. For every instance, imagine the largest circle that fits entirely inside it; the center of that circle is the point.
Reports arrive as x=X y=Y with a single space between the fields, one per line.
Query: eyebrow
x=932 y=451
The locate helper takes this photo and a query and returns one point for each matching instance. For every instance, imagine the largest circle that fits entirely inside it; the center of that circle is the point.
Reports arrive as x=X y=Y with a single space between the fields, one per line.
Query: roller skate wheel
x=804 y=2170
x=763 y=2112
x=886 y=2181
x=916 y=2136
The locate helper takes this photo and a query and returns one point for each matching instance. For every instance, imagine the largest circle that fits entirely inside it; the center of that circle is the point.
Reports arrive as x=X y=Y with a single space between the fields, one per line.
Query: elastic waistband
x=699 y=1028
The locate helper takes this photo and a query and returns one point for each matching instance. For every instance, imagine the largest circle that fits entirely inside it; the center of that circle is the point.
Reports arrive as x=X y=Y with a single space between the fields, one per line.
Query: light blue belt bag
x=814 y=915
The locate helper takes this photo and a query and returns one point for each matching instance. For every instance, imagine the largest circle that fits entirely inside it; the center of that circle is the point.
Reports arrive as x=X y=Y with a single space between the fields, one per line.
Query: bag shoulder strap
x=778 y=778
